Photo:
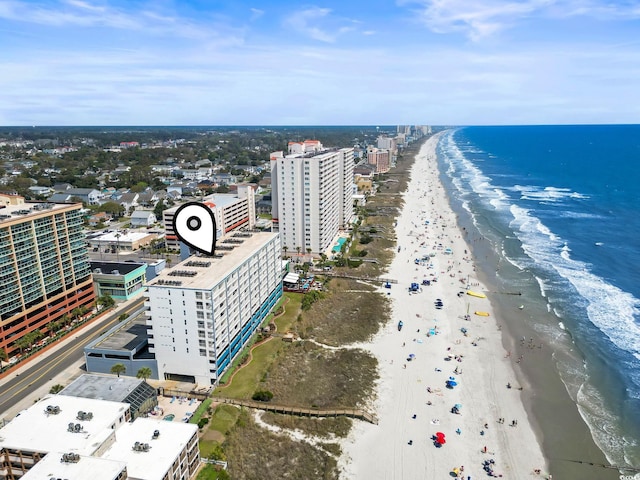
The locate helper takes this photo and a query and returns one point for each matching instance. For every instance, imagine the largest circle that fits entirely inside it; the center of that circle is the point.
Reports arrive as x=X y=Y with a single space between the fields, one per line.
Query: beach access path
x=413 y=401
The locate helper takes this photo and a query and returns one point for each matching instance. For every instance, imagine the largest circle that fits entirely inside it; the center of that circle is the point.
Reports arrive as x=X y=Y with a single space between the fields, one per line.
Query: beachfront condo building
x=44 y=270
x=379 y=158
x=231 y=211
x=311 y=191
x=203 y=310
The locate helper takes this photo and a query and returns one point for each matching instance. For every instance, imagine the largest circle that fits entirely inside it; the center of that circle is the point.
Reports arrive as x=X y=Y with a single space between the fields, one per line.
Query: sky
x=335 y=62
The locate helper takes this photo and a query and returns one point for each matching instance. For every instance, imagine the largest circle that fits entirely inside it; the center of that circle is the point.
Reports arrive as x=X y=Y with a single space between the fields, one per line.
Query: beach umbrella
x=411 y=355
x=458 y=406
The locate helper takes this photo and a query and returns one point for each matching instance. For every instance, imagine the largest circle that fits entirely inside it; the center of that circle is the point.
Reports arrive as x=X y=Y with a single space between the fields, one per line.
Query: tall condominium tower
x=44 y=269
x=203 y=310
x=311 y=196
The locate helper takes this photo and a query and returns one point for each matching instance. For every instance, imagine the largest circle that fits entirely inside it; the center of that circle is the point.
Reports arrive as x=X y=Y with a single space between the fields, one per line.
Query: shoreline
x=401 y=445
x=563 y=432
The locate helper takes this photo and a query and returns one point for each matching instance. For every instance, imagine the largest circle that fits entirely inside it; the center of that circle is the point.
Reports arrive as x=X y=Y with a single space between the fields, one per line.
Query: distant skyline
x=233 y=62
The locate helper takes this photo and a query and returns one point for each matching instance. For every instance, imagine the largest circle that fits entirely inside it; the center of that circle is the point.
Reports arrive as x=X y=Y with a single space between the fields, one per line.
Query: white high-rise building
x=203 y=310
x=231 y=211
x=311 y=197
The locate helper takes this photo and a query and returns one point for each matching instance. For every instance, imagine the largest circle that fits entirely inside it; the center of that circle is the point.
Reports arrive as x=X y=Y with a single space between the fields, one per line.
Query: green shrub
x=262 y=396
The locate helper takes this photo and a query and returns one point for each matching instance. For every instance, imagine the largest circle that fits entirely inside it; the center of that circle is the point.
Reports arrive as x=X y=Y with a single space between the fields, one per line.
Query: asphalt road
x=42 y=369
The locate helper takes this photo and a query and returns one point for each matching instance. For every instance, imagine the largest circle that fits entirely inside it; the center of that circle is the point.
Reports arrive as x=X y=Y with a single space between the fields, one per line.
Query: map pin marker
x=195 y=225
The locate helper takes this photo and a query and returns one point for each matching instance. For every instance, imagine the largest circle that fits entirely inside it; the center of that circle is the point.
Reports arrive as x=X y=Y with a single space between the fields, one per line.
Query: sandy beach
x=490 y=435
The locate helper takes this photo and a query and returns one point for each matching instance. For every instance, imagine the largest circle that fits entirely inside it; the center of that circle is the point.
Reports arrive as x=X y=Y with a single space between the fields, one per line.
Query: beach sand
x=401 y=445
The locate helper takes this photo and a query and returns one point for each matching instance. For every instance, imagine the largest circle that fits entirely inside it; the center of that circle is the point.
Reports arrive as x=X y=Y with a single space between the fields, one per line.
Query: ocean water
x=559 y=205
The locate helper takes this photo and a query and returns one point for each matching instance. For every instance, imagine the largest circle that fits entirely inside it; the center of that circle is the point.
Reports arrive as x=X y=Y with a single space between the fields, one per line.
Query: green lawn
x=209 y=472
x=201 y=410
x=246 y=381
x=224 y=418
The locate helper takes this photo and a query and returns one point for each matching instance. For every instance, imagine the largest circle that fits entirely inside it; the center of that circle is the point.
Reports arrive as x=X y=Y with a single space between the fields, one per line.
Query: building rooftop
x=222 y=199
x=205 y=272
x=101 y=387
x=53 y=466
x=163 y=450
x=121 y=236
x=122 y=267
x=20 y=212
x=125 y=336
x=37 y=429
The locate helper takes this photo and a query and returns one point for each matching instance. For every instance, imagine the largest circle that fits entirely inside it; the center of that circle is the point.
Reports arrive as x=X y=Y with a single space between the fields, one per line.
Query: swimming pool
x=338 y=247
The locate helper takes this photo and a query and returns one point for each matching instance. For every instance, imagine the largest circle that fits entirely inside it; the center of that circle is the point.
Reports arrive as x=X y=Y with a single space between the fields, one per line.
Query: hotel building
x=203 y=310
x=311 y=192
x=66 y=437
x=44 y=269
x=231 y=213
x=378 y=158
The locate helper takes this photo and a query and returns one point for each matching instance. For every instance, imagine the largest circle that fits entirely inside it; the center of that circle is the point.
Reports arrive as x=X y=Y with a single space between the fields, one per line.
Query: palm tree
x=298 y=250
x=144 y=373
x=3 y=355
x=284 y=249
x=56 y=389
x=106 y=301
x=118 y=368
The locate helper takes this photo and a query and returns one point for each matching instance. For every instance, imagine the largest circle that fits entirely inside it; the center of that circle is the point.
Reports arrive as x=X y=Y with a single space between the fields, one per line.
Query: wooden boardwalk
x=353 y=277
x=299 y=411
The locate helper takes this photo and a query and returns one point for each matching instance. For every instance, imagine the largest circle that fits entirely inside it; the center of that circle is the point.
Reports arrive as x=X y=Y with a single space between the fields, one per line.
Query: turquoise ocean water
x=561 y=204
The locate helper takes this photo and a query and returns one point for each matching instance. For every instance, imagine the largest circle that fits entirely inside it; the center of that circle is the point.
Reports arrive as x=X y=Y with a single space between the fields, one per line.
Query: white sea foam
x=604 y=427
x=546 y=194
x=609 y=308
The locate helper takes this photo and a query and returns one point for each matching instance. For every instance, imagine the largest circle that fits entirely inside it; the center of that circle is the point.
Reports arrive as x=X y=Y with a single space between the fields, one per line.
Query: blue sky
x=234 y=62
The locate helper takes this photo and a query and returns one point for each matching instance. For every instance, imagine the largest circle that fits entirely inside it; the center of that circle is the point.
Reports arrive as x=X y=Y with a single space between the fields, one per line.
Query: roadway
x=42 y=369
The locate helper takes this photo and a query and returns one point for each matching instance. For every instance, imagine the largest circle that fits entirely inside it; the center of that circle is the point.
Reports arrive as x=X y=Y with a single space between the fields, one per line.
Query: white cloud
x=256 y=13
x=476 y=18
x=260 y=85
x=79 y=13
x=319 y=24
x=479 y=19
